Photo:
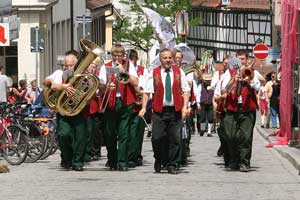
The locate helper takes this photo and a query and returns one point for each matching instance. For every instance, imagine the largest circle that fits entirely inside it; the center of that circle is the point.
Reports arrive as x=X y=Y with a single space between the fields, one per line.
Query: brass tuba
x=85 y=84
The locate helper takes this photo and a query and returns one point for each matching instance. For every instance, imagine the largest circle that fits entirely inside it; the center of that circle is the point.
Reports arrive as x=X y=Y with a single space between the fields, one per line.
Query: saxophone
x=85 y=84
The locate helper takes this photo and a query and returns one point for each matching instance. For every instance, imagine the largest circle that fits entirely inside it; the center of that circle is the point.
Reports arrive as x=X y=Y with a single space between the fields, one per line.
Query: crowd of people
x=223 y=100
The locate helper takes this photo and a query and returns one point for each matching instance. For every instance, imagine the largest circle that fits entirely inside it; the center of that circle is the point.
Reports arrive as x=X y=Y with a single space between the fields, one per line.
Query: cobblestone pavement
x=272 y=178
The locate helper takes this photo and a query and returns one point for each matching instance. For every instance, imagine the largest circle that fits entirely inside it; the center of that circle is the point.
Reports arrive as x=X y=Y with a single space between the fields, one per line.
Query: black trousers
x=166 y=136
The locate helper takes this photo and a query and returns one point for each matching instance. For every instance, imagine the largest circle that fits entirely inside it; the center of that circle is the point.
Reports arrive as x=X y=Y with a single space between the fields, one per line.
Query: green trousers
x=136 y=137
x=116 y=123
x=90 y=130
x=72 y=138
x=239 y=133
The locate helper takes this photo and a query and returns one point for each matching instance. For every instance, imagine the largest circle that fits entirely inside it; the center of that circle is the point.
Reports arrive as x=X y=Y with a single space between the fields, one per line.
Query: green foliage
x=137 y=31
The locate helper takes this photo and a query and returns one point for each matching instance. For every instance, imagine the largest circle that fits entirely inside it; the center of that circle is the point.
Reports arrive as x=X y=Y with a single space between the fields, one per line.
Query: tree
x=136 y=30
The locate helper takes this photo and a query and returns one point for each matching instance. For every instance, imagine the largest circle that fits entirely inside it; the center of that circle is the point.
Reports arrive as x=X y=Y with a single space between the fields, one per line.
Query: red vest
x=140 y=70
x=249 y=101
x=158 y=95
x=128 y=94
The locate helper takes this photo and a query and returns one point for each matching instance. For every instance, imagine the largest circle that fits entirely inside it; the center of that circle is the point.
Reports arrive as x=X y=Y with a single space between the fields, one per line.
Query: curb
x=290 y=153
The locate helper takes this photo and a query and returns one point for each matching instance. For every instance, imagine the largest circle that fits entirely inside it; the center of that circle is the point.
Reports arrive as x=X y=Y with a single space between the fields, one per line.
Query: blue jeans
x=274 y=112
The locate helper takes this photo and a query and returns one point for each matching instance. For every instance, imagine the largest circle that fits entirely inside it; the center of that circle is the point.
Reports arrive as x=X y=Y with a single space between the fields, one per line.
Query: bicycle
x=13 y=141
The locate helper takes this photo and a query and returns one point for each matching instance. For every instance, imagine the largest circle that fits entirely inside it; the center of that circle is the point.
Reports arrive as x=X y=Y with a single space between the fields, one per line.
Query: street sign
x=4 y=34
x=261 y=51
x=83 y=19
x=37 y=39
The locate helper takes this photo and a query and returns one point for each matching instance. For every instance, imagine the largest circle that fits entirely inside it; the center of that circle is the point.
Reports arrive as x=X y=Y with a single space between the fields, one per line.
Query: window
x=225 y=2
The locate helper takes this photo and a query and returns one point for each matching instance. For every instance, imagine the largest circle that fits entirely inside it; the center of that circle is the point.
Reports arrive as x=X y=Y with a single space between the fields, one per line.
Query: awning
x=249 y=5
x=94 y=5
x=206 y=3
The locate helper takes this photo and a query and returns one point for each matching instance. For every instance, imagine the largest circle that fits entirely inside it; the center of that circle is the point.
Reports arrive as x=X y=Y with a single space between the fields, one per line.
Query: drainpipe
x=72 y=23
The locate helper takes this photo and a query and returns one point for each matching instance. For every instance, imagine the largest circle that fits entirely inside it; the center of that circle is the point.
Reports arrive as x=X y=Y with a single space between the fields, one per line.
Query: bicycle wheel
x=37 y=142
x=17 y=140
x=48 y=147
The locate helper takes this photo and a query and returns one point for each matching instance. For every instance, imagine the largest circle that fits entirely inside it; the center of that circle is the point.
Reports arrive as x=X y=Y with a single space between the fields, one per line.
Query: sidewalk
x=292 y=154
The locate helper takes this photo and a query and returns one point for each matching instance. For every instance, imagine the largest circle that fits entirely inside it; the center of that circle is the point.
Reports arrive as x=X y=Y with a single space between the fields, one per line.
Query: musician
x=241 y=106
x=90 y=114
x=137 y=124
x=170 y=90
x=189 y=122
x=121 y=101
x=204 y=96
x=218 y=103
x=70 y=130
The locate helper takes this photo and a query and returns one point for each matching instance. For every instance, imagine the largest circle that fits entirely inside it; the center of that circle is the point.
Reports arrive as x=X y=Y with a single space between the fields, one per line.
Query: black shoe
x=66 y=164
x=220 y=151
x=201 y=133
x=209 y=135
x=149 y=134
x=244 y=168
x=262 y=126
x=123 y=168
x=132 y=164
x=139 y=162
x=172 y=170
x=157 y=166
x=77 y=168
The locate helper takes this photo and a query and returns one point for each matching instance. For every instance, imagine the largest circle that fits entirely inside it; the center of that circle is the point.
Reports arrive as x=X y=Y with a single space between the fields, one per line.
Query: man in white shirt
x=169 y=86
x=5 y=83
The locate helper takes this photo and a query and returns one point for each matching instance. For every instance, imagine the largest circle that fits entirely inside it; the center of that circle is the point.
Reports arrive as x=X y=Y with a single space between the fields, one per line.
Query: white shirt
x=149 y=86
x=103 y=75
x=215 y=79
x=218 y=88
x=255 y=85
x=4 y=84
x=197 y=91
x=56 y=77
x=142 y=78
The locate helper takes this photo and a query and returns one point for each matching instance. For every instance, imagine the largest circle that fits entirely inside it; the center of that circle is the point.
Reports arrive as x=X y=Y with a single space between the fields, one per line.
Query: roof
x=206 y=3
x=250 y=5
x=96 y=4
x=235 y=4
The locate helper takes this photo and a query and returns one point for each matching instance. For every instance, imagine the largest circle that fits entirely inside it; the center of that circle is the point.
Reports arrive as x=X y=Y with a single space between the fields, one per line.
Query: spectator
x=5 y=83
x=263 y=105
x=33 y=92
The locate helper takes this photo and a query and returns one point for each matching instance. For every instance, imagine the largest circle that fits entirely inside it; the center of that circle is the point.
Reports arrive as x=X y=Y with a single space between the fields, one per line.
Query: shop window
x=11 y=51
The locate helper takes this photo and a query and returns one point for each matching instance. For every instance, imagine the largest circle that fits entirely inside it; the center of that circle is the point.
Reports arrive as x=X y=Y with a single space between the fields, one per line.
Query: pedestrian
x=169 y=87
x=263 y=105
x=5 y=84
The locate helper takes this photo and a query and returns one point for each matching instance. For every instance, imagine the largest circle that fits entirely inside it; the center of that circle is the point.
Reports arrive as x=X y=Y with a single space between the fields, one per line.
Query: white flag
x=163 y=29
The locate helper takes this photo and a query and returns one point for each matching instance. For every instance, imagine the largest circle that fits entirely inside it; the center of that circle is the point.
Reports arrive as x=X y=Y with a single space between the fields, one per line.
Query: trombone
x=122 y=77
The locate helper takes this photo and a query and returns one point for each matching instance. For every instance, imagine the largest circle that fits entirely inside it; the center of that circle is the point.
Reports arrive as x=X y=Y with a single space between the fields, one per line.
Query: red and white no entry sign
x=261 y=51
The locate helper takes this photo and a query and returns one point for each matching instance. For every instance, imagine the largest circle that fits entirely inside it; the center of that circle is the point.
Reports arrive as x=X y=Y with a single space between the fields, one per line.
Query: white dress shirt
x=197 y=91
x=56 y=77
x=149 y=86
x=103 y=76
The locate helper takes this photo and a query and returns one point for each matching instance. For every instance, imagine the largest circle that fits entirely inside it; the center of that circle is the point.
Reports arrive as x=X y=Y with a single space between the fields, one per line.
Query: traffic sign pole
x=37 y=57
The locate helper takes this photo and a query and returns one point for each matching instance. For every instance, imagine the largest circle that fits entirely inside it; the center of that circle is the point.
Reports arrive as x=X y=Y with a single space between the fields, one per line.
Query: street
x=272 y=177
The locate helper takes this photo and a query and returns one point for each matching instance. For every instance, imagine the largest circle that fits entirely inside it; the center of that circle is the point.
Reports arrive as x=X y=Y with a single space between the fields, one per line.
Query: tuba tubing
x=85 y=84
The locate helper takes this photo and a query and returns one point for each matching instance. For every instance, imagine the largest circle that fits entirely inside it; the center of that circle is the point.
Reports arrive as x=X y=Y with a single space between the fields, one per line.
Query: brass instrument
x=120 y=77
x=191 y=68
x=85 y=84
x=247 y=72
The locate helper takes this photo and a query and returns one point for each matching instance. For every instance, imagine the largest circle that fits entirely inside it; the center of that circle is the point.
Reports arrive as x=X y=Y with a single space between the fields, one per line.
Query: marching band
x=221 y=100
